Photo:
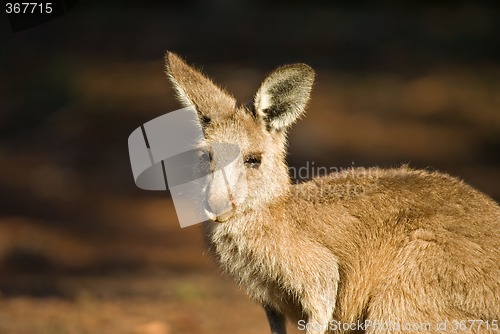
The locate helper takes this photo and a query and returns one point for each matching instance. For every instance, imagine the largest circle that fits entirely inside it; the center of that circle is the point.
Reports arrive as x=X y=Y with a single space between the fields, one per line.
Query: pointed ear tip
x=170 y=55
x=171 y=58
x=168 y=60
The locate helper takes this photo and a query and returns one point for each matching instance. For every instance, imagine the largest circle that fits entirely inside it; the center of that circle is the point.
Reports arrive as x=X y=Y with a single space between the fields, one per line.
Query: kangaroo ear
x=283 y=95
x=193 y=88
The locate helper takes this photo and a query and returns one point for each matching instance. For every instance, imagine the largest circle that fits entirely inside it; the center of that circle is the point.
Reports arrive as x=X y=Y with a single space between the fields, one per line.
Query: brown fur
x=396 y=245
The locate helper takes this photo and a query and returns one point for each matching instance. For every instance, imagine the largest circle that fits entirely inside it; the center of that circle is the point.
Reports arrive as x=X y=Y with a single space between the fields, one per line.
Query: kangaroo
x=413 y=249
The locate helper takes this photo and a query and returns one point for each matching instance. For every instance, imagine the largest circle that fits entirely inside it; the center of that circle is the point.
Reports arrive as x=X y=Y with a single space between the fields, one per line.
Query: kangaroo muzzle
x=164 y=154
x=226 y=182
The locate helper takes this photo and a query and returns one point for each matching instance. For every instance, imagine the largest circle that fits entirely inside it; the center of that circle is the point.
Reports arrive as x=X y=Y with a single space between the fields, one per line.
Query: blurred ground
x=83 y=251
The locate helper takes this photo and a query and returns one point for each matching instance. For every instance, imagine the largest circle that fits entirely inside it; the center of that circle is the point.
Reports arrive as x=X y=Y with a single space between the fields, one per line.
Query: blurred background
x=82 y=250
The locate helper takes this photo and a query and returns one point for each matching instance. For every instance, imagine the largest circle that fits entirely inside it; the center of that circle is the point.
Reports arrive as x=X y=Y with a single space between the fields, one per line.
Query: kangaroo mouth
x=224 y=217
x=223 y=213
x=219 y=217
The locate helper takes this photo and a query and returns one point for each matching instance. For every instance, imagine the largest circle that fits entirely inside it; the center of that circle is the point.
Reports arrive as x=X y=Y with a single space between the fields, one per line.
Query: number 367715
x=28 y=8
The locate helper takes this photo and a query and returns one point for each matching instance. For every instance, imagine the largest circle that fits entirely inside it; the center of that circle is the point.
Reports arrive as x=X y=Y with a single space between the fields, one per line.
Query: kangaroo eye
x=205 y=120
x=253 y=160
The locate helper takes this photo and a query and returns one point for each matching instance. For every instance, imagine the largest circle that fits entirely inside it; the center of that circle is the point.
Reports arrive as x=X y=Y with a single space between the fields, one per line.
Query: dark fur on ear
x=282 y=97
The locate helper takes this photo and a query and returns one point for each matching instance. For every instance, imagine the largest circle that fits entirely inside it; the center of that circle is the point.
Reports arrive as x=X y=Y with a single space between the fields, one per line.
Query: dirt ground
x=82 y=250
x=148 y=303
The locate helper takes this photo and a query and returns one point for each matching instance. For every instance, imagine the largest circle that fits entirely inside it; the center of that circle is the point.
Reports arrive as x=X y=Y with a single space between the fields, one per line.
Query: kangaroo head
x=259 y=174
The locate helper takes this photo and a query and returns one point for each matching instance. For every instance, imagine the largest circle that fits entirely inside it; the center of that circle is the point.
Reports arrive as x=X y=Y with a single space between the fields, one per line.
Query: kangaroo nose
x=222 y=181
x=219 y=202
